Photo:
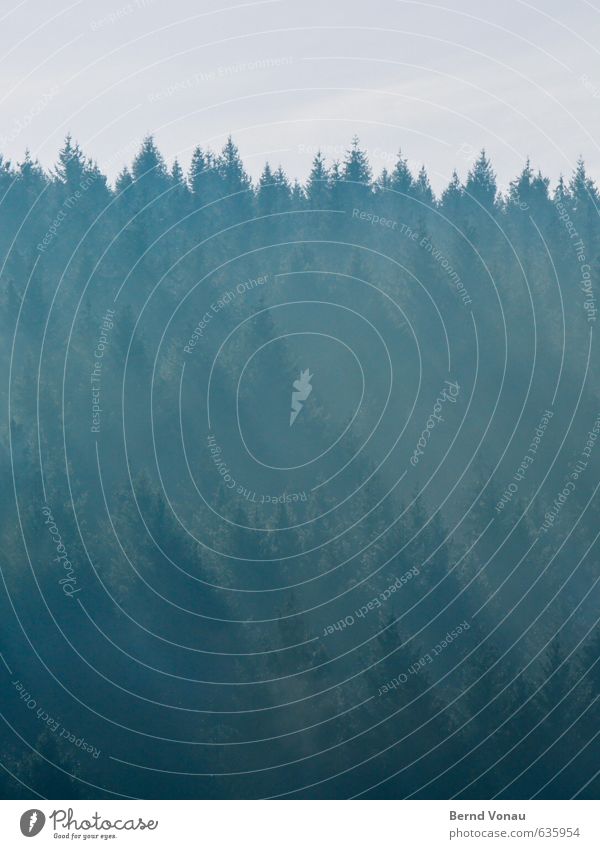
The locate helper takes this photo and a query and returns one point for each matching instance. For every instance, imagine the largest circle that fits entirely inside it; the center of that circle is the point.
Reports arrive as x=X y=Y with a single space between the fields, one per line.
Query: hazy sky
x=287 y=76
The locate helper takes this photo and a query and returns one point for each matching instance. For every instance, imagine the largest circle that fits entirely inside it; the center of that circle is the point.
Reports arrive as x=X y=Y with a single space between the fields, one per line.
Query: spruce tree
x=481 y=183
x=318 y=185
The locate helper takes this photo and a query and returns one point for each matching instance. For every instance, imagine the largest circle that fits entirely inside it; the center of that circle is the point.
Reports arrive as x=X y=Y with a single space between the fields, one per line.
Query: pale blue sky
x=285 y=77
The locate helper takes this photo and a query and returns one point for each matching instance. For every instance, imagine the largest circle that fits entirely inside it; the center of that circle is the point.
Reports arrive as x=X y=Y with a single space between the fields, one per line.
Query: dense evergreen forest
x=298 y=481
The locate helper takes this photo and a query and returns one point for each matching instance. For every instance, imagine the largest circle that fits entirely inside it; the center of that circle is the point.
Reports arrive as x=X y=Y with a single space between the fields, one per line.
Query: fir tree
x=481 y=183
x=318 y=185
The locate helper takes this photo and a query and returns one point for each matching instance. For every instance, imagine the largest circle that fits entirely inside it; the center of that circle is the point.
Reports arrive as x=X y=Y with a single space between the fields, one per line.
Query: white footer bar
x=302 y=824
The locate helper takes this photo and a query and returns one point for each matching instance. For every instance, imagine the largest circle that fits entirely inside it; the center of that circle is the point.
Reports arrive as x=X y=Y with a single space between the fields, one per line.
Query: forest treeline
x=214 y=176
x=77 y=182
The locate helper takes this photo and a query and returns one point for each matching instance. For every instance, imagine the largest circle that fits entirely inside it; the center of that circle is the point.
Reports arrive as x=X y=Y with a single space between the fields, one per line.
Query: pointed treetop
x=266 y=178
x=455 y=185
x=356 y=165
x=402 y=180
x=177 y=173
x=579 y=176
x=232 y=169
x=581 y=187
x=520 y=188
x=5 y=166
x=423 y=187
x=149 y=161
x=384 y=180
x=561 y=192
x=123 y=181
x=30 y=169
x=528 y=189
x=72 y=165
x=317 y=186
x=198 y=167
x=319 y=169
x=280 y=178
x=453 y=193
x=298 y=196
x=274 y=192
x=481 y=182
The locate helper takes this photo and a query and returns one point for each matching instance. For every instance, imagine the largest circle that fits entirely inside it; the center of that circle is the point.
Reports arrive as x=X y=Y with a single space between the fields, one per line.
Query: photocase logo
x=32 y=822
x=302 y=389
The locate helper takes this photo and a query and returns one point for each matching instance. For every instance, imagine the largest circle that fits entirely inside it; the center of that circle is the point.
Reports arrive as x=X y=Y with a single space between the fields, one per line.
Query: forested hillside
x=299 y=481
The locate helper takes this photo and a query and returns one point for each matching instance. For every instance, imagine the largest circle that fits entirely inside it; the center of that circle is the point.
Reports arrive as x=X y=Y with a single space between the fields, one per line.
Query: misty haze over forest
x=301 y=480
